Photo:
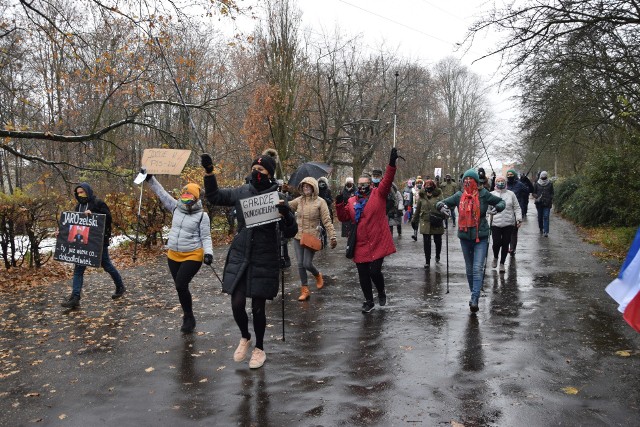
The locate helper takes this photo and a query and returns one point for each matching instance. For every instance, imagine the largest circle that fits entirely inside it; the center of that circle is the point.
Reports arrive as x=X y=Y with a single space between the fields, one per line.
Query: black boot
x=188 y=323
x=72 y=302
x=119 y=292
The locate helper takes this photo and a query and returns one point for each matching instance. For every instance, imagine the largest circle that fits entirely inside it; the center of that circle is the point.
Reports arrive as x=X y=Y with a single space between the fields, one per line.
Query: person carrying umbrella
x=367 y=211
x=311 y=213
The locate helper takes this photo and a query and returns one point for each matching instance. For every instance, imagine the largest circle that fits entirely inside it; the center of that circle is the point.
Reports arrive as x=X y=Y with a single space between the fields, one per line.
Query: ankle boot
x=319 y=281
x=304 y=293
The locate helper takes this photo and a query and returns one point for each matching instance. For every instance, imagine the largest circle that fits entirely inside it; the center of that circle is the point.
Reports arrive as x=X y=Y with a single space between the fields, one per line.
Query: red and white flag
x=626 y=288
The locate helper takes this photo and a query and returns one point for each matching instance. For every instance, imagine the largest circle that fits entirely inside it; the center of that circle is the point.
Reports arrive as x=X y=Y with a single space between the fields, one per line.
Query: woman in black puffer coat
x=253 y=262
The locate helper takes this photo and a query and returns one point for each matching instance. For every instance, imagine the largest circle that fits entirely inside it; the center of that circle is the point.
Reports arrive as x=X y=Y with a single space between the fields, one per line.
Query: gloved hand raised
x=207 y=162
x=393 y=157
x=208 y=259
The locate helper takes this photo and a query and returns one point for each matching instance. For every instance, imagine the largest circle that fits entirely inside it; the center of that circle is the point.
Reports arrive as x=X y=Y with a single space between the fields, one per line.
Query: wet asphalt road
x=541 y=351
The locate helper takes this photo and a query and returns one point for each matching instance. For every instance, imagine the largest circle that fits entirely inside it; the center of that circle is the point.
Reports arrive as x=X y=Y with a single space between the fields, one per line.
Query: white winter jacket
x=511 y=213
x=190 y=229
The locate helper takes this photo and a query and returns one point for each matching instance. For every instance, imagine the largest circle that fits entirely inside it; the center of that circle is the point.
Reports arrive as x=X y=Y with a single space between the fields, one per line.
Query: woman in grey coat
x=189 y=242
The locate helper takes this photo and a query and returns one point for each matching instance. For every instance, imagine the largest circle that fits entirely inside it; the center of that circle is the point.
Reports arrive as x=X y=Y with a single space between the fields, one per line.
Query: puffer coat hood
x=313 y=183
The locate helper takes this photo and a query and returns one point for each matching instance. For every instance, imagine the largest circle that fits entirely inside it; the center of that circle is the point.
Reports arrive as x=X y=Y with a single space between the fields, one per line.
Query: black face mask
x=429 y=189
x=259 y=180
x=83 y=199
x=322 y=186
x=511 y=179
x=364 y=189
x=349 y=186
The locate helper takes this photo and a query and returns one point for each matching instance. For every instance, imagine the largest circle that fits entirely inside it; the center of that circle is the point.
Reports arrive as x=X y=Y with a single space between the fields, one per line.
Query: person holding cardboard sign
x=88 y=203
x=189 y=242
x=311 y=212
x=253 y=263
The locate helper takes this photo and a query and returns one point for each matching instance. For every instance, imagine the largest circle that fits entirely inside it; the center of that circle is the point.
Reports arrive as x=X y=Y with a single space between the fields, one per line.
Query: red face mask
x=470 y=185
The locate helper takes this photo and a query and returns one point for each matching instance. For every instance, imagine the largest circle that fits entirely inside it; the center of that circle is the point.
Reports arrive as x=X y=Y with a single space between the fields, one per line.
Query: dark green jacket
x=425 y=209
x=486 y=199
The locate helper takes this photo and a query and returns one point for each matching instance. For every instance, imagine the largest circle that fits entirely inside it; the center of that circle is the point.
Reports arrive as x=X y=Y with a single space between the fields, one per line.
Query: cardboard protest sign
x=161 y=161
x=80 y=238
x=260 y=209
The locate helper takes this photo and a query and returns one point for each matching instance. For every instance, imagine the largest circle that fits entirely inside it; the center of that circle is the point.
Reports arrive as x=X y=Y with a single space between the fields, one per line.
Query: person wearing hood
x=543 y=196
x=430 y=220
x=483 y=179
x=395 y=205
x=348 y=191
x=522 y=194
x=524 y=202
x=473 y=228
x=419 y=184
x=253 y=263
x=189 y=243
x=407 y=196
x=324 y=192
x=89 y=204
x=312 y=213
x=367 y=211
x=503 y=223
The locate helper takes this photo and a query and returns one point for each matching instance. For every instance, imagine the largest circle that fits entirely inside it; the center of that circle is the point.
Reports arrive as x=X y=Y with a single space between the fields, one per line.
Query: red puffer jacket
x=373 y=240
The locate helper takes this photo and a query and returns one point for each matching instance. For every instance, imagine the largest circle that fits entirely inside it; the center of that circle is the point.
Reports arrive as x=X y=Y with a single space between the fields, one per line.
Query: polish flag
x=626 y=288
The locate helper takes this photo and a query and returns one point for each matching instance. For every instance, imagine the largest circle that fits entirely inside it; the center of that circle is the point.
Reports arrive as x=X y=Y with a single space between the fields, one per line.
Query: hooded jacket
x=511 y=213
x=253 y=259
x=96 y=206
x=311 y=211
x=425 y=208
x=373 y=238
x=543 y=193
x=190 y=228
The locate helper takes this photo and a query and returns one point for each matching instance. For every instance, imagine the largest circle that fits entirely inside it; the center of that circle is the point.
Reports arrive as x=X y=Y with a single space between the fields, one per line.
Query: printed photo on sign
x=80 y=239
x=260 y=209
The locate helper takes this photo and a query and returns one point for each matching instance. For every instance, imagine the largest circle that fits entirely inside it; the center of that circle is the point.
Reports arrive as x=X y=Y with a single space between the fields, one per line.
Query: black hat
x=376 y=172
x=267 y=162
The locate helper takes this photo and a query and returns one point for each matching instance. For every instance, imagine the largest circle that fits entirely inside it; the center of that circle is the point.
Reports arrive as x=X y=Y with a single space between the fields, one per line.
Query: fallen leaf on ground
x=570 y=390
x=32 y=394
x=150 y=369
x=623 y=353
x=62 y=416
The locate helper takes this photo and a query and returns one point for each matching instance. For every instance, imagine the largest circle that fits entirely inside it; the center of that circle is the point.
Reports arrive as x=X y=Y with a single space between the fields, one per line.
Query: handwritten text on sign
x=260 y=209
x=80 y=238
x=163 y=161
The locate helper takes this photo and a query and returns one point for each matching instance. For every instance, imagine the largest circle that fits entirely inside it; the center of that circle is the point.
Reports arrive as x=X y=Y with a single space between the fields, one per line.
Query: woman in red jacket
x=368 y=209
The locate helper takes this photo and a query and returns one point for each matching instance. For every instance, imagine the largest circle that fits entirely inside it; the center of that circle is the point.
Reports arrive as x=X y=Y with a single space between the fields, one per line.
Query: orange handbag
x=310 y=241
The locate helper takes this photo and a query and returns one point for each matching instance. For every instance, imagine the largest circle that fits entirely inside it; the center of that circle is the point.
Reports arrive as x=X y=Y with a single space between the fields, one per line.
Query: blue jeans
x=474 y=256
x=543 y=218
x=78 y=273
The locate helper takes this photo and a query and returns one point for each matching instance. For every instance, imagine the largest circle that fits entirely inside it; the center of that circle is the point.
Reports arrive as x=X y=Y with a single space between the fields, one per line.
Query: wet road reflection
x=192 y=383
x=253 y=408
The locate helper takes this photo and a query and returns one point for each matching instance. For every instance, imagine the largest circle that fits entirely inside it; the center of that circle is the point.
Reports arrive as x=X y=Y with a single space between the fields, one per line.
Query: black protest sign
x=80 y=238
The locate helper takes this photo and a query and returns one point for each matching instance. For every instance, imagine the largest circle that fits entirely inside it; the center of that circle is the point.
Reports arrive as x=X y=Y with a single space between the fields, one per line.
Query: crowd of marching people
x=486 y=211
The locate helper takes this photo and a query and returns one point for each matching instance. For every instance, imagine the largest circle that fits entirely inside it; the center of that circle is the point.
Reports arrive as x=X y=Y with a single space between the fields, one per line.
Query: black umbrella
x=312 y=169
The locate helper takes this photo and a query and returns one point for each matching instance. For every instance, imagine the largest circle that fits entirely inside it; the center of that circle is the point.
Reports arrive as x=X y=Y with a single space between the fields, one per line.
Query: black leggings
x=426 y=241
x=238 y=304
x=371 y=272
x=501 y=238
x=182 y=273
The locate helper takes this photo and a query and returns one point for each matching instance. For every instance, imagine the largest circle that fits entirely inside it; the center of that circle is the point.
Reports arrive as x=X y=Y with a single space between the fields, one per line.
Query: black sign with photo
x=80 y=238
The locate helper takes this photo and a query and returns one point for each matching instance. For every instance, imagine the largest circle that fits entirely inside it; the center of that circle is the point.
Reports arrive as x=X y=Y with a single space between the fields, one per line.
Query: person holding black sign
x=189 y=242
x=253 y=262
x=89 y=204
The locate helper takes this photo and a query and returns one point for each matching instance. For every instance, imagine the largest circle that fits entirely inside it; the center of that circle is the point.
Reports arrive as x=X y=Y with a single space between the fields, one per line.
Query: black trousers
x=426 y=241
x=371 y=272
x=182 y=273
x=238 y=307
x=501 y=238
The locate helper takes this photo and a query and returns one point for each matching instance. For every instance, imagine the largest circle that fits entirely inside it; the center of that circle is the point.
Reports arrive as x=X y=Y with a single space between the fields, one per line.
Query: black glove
x=208 y=259
x=339 y=199
x=207 y=162
x=394 y=156
x=283 y=209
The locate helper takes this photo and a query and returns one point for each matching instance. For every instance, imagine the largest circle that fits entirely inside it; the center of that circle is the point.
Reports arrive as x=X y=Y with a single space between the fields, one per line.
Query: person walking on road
x=394 y=209
x=473 y=229
x=311 y=214
x=522 y=194
x=253 y=263
x=430 y=221
x=367 y=211
x=449 y=188
x=189 y=242
x=348 y=191
x=502 y=223
x=543 y=195
x=89 y=204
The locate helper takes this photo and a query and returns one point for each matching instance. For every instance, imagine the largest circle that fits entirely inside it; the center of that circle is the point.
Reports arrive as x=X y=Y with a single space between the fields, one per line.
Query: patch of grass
x=616 y=241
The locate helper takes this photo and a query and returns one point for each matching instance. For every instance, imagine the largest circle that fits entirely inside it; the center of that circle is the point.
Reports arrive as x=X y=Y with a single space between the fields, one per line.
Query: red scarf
x=469 y=208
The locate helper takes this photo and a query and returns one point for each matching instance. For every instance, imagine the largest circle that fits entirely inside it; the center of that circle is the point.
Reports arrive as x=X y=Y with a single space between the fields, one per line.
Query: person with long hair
x=473 y=228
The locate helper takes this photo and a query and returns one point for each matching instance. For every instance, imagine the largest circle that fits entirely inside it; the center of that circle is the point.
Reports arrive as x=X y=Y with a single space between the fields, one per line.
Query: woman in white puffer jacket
x=502 y=223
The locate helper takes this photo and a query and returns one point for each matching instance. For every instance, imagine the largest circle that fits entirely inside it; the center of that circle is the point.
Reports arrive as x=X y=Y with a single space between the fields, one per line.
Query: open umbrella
x=312 y=169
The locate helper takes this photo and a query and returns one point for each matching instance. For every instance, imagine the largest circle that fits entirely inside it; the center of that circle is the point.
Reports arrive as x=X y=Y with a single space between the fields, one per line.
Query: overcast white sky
x=424 y=31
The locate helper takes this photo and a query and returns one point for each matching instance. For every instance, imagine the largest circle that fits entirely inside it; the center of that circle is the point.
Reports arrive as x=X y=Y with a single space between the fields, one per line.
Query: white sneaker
x=494 y=263
x=241 y=352
x=258 y=357
x=501 y=268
